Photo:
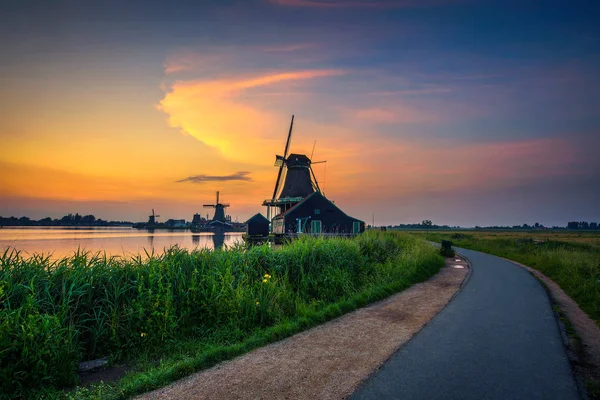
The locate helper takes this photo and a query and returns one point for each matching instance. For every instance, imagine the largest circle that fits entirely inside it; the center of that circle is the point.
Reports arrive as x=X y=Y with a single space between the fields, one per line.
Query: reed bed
x=180 y=311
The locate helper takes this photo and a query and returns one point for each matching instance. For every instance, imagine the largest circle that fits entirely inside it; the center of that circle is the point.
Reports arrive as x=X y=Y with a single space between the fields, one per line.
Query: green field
x=571 y=259
x=167 y=316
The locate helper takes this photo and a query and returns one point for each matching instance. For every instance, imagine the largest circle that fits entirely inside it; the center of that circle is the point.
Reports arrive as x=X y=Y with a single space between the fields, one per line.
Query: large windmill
x=295 y=179
x=219 y=210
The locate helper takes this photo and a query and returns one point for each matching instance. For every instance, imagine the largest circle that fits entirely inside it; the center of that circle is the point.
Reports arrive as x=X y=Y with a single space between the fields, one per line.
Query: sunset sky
x=464 y=112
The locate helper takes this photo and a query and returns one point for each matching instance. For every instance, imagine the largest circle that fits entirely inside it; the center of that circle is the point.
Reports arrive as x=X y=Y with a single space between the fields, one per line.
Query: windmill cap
x=300 y=160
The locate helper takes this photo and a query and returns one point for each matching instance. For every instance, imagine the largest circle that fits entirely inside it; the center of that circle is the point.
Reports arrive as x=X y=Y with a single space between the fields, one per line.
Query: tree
x=427 y=223
x=573 y=225
x=88 y=219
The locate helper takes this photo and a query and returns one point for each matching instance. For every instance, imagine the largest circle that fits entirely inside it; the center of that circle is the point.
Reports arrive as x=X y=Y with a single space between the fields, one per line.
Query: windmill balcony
x=282 y=201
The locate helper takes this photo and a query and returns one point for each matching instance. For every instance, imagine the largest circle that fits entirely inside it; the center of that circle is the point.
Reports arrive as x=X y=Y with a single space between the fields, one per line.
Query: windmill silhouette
x=152 y=218
x=219 y=210
x=295 y=178
x=298 y=206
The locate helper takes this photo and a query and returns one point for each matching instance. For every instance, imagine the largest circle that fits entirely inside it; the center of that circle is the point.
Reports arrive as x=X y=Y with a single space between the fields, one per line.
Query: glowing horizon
x=112 y=115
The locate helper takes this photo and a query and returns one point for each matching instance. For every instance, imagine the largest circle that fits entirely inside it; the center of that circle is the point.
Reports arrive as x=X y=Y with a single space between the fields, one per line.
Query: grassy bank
x=172 y=314
x=573 y=264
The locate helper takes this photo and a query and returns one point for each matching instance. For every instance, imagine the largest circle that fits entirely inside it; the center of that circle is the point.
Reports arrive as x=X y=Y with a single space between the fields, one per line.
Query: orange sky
x=413 y=125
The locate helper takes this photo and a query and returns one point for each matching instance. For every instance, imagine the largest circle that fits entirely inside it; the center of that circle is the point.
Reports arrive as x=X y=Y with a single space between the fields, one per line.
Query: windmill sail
x=281 y=160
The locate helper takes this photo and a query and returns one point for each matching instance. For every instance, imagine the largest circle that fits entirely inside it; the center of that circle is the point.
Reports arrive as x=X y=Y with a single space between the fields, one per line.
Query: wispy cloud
x=412 y=92
x=389 y=114
x=289 y=47
x=242 y=58
x=360 y=3
x=287 y=76
x=238 y=176
x=191 y=61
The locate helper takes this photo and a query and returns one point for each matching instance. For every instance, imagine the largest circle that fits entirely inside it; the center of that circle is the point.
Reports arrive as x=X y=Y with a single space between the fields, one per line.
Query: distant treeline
x=427 y=224
x=420 y=226
x=571 y=226
x=90 y=220
x=583 y=225
x=574 y=225
x=67 y=220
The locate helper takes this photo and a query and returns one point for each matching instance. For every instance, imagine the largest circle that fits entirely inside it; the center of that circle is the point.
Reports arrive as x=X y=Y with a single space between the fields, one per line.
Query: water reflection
x=218 y=241
x=151 y=238
x=125 y=242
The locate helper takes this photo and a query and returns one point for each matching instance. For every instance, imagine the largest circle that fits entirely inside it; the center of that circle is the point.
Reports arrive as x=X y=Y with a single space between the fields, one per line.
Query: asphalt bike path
x=497 y=339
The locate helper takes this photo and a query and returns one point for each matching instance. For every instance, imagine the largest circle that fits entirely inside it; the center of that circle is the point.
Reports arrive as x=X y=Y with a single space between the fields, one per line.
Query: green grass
x=573 y=265
x=172 y=314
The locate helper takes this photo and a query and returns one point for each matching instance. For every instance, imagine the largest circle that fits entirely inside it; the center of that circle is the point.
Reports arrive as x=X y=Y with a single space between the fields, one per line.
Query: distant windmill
x=219 y=210
x=152 y=218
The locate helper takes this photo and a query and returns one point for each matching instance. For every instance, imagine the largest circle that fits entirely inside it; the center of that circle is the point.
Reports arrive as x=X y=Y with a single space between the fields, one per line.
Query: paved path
x=498 y=339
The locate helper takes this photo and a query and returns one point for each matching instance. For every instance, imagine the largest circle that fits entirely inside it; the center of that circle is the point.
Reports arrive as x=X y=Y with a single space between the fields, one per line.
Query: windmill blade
x=315 y=183
x=225 y=205
x=285 y=154
x=209 y=205
x=217 y=197
x=289 y=140
x=277 y=181
x=318 y=162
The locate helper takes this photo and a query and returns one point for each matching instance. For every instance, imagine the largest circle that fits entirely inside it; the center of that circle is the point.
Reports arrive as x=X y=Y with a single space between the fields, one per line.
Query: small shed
x=257 y=225
x=316 y=214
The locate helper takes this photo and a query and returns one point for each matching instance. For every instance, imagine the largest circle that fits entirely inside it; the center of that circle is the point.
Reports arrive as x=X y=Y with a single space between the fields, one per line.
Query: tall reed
x=56 y=313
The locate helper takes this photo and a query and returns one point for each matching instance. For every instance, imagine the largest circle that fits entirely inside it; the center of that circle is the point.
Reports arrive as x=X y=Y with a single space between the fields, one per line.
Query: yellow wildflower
x=265 y=280
x=143 y=334
x=257 y=303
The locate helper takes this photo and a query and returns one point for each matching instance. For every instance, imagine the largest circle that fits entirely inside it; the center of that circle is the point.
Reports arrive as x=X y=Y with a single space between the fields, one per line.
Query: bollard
x=446 y=249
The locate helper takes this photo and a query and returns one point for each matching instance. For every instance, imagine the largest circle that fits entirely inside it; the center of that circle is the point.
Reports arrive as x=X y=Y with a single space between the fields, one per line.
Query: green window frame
x=356 y=227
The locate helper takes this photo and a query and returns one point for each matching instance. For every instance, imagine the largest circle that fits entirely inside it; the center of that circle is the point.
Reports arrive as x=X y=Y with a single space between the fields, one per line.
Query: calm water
x=63 y=241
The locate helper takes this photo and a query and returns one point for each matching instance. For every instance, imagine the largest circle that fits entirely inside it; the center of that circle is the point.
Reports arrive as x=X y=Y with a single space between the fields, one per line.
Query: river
x=123 y=241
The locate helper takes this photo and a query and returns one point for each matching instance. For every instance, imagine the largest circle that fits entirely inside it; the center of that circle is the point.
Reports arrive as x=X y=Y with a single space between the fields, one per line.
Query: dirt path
x=329 y=361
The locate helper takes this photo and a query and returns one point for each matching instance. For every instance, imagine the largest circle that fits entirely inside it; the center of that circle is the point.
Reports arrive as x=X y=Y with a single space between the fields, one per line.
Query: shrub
x=36 y=349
